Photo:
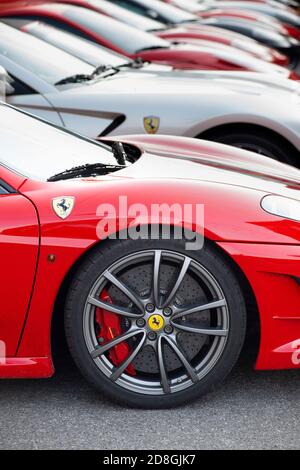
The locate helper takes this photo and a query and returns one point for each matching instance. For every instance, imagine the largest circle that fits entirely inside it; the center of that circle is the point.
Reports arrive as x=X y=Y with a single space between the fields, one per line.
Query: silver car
x=252 y=111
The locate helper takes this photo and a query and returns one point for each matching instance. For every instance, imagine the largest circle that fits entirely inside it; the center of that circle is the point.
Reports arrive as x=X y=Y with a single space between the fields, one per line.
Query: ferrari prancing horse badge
x=63 y=206
x=151 y=124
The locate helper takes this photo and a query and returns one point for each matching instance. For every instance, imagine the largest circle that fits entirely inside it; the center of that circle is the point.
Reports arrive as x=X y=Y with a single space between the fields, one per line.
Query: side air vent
x=297 y=279
x=113 y=125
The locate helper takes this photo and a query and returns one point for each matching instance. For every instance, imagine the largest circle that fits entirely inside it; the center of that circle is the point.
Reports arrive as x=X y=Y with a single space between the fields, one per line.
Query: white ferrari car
x=262 y=116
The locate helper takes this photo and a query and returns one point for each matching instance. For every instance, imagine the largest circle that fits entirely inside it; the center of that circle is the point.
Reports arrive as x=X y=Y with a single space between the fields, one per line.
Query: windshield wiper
x=87 y=170
x=105 y=68
x=119 y=153
x=138 y=63
x=79 y=78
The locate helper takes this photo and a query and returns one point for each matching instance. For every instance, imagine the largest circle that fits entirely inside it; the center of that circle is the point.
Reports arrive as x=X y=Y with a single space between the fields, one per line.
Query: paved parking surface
x=252 y=410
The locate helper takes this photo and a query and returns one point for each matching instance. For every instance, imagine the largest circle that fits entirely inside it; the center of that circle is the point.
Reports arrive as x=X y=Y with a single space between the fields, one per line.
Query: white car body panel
x=185 y=104
x=188 y=110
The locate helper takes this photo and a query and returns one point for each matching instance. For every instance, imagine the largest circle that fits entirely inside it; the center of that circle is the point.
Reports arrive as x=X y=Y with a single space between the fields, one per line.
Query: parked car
x=272 y=34
x=149 y=323
x=199 y=34
x=134 y=43
x=100 y=101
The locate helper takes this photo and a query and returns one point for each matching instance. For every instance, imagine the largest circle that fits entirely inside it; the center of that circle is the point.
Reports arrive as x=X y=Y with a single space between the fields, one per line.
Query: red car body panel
x=19 y=249
x=266 y=248
x=194 y=35
x=273 y=272
x=292 y=31
x=282 y=28
x=184 y=59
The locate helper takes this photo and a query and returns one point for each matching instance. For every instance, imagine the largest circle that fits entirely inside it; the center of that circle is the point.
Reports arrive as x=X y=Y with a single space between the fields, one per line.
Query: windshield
x=126 y=16
x=90 y=52
x=42 y=150
x=43 y=60
x=164 y=12
x=125 y=37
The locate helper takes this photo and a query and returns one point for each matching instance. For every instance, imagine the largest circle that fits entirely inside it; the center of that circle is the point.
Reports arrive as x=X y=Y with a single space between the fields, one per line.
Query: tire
x=260 y=142
x=211 y=358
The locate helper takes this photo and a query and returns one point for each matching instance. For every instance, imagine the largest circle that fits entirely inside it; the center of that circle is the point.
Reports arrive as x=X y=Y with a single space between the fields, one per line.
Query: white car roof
x=44 y=60
x=127 y=16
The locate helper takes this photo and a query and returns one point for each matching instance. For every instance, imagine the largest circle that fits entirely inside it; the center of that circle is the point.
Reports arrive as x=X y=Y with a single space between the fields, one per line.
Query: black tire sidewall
x=272 y=145
x=86 y=276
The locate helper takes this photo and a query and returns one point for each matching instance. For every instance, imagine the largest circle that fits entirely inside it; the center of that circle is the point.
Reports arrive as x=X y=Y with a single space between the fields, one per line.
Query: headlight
x=282 y=207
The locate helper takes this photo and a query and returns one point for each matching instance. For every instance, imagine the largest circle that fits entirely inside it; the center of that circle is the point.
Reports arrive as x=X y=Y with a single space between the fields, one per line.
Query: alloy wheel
x=173 y=317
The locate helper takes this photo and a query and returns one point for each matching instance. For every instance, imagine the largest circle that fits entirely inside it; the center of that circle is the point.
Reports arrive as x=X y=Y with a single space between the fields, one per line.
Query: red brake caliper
x=110 y=326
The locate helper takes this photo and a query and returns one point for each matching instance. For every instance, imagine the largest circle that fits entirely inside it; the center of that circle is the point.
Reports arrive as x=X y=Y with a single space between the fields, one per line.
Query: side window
x=6 y=188
x=3 y=191
x=16 y=87
x=3 y=188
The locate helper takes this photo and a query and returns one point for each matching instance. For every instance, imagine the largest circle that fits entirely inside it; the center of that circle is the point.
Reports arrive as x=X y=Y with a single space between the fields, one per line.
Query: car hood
x=270 y=80
x=177 y=85
x=188 y=159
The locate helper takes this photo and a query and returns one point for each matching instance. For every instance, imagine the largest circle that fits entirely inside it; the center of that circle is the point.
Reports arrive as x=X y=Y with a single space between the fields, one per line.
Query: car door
x=19 y=248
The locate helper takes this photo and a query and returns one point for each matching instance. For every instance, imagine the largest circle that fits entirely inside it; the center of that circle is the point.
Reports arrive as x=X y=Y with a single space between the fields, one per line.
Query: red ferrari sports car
x=133 y=43
x=160 y=253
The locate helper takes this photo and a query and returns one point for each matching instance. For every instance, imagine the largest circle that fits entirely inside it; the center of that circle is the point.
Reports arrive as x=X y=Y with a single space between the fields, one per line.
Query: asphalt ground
x=252 y=410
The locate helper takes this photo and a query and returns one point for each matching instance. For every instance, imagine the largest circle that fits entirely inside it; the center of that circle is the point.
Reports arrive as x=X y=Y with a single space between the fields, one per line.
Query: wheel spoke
x=200 y=308
x=120 y=369
x=179 y=353
x=112 y=308
x=156 y=270
x=126 y=290
x=163 y=373
x=184 y=268
x=201 y=331
x=99 y=350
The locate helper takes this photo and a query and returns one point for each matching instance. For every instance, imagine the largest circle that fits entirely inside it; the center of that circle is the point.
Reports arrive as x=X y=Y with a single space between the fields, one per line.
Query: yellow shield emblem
x=151 y=124
x=156 y=322
x=63 y=206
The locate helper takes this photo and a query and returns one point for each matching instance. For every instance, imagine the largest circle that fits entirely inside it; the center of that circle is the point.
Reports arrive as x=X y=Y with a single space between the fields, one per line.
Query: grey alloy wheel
x=174 y=317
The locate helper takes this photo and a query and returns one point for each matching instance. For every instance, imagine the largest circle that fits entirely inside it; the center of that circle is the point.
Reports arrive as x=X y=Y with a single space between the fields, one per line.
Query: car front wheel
x=260 y=142
x=153 y=326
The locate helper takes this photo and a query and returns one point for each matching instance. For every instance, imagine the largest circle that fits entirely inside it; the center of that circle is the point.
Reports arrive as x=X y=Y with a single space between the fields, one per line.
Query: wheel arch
x=252 y=342
x=217 y=130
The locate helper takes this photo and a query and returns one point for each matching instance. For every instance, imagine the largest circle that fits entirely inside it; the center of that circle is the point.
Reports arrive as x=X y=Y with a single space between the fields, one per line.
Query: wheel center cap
x=156 y=322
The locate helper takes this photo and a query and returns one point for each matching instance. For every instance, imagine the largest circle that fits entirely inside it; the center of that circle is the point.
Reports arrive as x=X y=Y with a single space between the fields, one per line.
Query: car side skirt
x=26 y=368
